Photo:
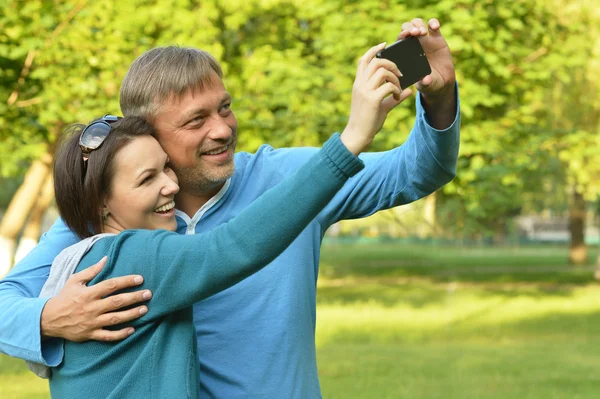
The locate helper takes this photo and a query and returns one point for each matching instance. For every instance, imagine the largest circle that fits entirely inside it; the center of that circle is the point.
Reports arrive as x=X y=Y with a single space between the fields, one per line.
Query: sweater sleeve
x=420 y=166
x=181 y=270
x=20 y=307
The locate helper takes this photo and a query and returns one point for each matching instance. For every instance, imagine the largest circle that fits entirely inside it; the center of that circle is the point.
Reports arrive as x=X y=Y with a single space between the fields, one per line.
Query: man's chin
x=217 y=172
x=199 y=180
x=222 y=175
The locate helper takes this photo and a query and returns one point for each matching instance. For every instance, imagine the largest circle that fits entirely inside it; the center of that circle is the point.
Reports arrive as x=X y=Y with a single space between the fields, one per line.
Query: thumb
x=85 y=276
x=390 y=103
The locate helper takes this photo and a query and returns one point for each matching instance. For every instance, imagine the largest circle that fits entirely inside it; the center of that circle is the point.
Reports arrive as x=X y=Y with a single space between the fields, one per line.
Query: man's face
x=199 y=133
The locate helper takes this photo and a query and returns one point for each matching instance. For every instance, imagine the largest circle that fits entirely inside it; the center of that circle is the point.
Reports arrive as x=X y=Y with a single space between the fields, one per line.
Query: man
x=255 y=339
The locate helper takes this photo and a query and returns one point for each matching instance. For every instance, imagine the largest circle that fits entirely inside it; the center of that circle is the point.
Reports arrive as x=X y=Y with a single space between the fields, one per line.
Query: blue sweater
x=159 y=360
x=266 y=348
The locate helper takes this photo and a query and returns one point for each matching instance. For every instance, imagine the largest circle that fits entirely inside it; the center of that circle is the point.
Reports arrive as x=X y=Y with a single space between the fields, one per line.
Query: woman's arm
x=181 y=270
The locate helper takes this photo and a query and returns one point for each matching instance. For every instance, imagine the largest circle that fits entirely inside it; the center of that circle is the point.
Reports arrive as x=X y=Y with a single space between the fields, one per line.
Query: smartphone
x=409 y=56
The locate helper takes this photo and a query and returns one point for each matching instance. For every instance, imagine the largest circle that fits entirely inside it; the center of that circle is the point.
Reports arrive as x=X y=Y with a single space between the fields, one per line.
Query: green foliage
x=511 y=58
x=527 y=73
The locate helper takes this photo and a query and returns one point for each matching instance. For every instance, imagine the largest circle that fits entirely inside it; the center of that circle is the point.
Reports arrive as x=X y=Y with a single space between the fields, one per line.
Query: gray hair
x=162 y=73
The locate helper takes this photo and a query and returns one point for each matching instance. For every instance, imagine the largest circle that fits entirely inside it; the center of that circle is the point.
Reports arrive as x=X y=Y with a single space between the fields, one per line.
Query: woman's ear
x=105 y=213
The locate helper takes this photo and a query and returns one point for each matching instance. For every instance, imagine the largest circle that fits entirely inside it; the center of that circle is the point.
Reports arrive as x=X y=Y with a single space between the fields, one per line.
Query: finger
x=416 y=27
x=114 y=302
x=434 y=27
x=110 y=286
x=378 y=63
x=420 y=26
x=389 y=103
x=382 y=76
x=387 y=89
x=407 y=30
x=405 y=94
x=367 y=57
x=108 y=336
x=114 y=318
x=87 y=275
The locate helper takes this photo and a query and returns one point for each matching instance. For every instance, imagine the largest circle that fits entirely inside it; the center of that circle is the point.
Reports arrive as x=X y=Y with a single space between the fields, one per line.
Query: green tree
x=290 y=65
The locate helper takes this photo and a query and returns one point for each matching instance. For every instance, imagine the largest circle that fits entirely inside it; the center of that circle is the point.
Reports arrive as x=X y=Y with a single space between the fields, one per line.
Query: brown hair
x=163 y=72
x=80 y=190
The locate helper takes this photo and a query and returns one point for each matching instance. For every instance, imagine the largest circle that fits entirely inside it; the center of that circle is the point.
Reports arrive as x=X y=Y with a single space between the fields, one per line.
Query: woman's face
x=143 y=188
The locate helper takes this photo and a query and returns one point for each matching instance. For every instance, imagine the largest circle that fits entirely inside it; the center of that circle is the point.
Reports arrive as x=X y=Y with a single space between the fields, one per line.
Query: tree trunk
x=499 y=236
x=19 y=208
x=597 y=272
x=32 y=231
x=429 y=212
x=578 y=249
x=7 y=248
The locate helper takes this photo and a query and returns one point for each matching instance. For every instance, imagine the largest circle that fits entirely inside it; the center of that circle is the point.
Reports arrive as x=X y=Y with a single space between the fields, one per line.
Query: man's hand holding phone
x=438 y=88
x=438 y=54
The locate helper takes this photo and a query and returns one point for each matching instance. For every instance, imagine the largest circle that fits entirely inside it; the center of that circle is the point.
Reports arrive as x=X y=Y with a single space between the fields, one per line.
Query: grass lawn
x=18 y=383
x=433 y=322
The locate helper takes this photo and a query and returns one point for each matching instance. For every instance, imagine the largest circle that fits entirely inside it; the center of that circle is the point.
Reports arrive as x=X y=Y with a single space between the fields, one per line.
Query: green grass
x=16 y=382
x=433 y=322
x=418 y=322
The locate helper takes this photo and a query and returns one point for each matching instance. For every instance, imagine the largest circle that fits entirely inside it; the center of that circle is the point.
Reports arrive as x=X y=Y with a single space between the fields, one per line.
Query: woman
x=116 y=191
x=120 y=181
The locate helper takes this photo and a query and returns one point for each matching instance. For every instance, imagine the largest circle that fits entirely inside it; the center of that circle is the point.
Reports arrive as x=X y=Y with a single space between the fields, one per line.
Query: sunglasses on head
x=95 y=133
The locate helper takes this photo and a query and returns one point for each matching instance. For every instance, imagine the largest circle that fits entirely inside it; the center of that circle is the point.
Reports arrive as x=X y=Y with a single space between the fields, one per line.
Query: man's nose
x=220 y=129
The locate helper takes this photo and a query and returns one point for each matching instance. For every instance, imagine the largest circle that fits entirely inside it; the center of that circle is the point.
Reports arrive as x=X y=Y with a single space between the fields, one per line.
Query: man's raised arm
x=423 y=164
x=78 y=313
x=437 y=90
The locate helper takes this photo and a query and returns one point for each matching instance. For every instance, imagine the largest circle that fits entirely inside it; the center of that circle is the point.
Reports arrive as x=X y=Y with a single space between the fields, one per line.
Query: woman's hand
x=375 y=93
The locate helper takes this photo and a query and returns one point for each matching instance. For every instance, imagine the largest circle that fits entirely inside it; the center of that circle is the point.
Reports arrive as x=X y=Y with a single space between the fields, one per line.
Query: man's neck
x=190 y=202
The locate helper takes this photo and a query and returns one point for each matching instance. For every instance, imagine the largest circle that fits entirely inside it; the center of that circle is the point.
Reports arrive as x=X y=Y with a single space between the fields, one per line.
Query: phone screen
x=409 y=56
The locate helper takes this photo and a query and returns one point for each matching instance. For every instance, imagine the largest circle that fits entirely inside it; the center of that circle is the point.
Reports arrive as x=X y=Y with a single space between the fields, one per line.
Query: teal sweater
x=159 y=359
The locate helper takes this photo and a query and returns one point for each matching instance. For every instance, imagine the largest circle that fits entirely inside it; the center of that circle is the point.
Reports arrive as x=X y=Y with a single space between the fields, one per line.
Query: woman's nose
x=170 y=188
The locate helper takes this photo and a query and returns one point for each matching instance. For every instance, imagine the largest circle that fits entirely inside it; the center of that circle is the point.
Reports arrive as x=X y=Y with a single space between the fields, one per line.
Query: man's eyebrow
x=226 y=98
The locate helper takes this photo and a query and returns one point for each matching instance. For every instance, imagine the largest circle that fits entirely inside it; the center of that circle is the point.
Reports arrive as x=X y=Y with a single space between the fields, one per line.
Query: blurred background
x=485 y=289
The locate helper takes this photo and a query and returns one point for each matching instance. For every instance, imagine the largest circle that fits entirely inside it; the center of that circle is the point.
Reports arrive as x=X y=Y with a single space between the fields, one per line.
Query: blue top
x=265 y=347
x=159 y=360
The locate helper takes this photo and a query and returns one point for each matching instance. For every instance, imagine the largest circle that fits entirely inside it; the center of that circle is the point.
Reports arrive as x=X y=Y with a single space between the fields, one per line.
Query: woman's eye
x=147 y=179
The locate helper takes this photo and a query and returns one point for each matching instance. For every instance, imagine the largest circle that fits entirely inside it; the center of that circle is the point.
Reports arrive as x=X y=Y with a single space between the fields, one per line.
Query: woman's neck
x=111 y=227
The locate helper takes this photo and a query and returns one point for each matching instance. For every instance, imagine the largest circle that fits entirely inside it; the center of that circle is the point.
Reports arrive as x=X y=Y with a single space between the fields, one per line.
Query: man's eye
x=226 y=109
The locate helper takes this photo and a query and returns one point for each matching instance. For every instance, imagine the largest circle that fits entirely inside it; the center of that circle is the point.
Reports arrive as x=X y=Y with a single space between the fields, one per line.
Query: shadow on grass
x=547 y=266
